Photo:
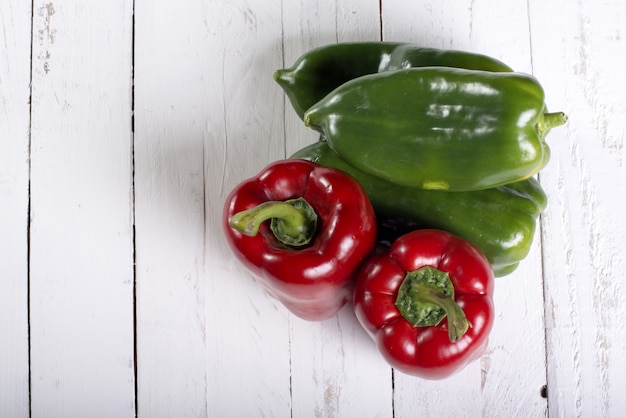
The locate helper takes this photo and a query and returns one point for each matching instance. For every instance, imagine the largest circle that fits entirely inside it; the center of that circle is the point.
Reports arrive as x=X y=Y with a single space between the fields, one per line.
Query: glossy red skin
x=316 y=281
x=426 y=351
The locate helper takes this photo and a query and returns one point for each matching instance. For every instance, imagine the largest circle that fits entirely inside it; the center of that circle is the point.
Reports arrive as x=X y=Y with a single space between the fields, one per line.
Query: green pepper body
x=501 y=221
x=439 y=128
x=319 y=71
x=409 y=56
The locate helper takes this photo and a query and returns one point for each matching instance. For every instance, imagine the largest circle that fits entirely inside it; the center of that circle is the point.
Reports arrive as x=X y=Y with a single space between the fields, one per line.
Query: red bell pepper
x=321 y=227
x=402 y=297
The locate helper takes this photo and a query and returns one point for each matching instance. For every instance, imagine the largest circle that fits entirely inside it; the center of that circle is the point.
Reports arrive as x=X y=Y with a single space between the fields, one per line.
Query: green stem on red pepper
x=313 y=280
x=293 y=222
x=426 y=296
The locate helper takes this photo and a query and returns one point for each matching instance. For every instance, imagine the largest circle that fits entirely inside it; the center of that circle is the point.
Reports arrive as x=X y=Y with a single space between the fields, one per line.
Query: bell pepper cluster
x=420 y=191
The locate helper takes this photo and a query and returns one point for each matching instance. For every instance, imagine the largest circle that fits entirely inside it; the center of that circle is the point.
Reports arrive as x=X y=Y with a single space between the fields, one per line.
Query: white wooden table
x=125 y=123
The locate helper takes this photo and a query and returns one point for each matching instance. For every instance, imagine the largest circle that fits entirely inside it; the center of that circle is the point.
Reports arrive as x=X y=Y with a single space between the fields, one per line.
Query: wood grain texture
x=118 y=293
x=81 y=262
x=169 y=213
x=15 y=36
x=204 y=122
x=583 y=228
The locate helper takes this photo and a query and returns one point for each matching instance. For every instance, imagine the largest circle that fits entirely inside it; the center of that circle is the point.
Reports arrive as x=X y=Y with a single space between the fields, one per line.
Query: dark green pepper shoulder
x=320 y=70
x=409 y=56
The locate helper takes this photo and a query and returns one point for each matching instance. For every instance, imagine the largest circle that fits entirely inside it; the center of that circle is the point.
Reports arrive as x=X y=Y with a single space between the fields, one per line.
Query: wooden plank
x=245 y=132
x=210 y=341
x=578 y=53
x=169 y=196
x=15 y=37
x=81 y=261
x=513 y=370
x=332 y=361
x=508 y=378
x=337 y=370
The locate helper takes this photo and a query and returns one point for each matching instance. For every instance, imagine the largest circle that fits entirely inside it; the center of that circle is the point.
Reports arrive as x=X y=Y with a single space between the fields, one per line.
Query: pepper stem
x=293 y=222
x=426 y=296
x=551 y=120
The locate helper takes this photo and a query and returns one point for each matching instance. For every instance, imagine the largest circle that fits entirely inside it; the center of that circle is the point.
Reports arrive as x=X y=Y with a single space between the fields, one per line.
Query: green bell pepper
x=319 y=71
x=439 y=128
x=410 y=56
x=501 y=222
